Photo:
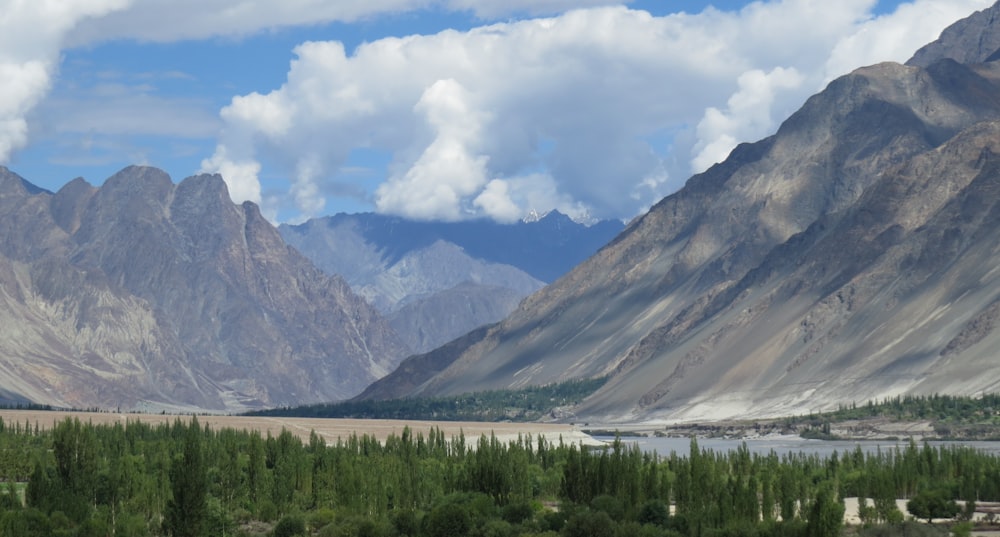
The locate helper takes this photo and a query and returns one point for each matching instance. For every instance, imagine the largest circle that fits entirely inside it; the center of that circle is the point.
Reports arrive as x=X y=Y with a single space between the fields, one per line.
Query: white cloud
x=450 y=169
x=173 y=20
x=604 y=109
x=748 y=115
x=495 y=202
x=494 y=9
x=240 y=175
x=598 y=111
x=31 y=34
x=897 y=36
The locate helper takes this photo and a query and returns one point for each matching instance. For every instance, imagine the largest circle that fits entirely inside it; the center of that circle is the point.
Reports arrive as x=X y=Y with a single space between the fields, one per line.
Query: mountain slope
x=146 y=294
x=849 y=256
x=973 y=39
x=436 y=281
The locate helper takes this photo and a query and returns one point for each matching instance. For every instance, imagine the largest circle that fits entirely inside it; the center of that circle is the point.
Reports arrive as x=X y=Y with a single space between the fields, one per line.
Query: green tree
x=826 y=514
x=586 y=523
x=290 y=526
x=448 y=520
x=187 y=509
x=932 y=503
x=654 y=512
x=75 y=448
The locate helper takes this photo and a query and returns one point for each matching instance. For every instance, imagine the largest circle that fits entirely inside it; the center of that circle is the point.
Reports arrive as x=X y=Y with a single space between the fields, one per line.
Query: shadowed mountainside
x=851 y=256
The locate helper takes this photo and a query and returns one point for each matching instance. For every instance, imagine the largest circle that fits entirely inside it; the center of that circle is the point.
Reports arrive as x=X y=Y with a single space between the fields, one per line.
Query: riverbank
x=818 y=428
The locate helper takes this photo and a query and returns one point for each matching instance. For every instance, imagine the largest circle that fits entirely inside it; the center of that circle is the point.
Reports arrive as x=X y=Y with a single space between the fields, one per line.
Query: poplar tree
x=826 y=514
x=186 y=510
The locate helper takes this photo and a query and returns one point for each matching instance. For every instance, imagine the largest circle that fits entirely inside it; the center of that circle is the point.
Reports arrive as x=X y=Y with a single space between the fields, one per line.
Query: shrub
x=290 y=526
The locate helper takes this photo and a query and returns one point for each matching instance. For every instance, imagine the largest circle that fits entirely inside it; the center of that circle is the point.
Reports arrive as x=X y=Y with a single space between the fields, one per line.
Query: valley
x=850 y=256
x=571 y=303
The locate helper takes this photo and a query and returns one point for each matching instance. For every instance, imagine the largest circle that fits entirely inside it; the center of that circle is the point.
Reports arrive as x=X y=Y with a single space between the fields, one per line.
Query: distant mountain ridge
x=851 y=256
x=143 y=294
x=435 y=281
x=545 y=248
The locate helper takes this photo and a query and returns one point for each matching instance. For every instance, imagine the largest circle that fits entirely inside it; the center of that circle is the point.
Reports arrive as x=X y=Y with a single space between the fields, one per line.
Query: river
x=784 y=445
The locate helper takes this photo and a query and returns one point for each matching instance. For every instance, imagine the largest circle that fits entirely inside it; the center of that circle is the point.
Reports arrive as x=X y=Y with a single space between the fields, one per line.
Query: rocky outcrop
x=146 y=294
x=850 y=256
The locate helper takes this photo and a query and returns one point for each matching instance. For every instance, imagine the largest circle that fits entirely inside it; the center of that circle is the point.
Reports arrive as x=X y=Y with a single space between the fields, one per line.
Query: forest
x=185 y=479
x=526 y=404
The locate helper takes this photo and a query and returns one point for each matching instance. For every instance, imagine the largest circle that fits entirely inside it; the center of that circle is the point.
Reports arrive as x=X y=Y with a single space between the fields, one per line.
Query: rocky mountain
x=143 y=294
x=435 y=281
x=973 y=39
x=854 y=254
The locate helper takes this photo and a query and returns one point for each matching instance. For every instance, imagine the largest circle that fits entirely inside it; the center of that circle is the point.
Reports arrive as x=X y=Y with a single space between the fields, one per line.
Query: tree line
x=185 y=479
x=527 y=404
x=954 y=417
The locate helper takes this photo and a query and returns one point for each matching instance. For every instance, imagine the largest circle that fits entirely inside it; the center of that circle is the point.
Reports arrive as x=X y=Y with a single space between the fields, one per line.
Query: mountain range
x=145 y=294
x=435 y=281
x=853 y=255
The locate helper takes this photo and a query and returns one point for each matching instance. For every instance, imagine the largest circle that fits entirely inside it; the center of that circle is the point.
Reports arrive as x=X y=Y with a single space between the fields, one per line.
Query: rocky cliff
x=146 y=294
x=852 y=255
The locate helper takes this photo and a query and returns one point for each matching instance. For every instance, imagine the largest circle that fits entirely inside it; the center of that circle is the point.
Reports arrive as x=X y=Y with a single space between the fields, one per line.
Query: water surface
x=783 y=445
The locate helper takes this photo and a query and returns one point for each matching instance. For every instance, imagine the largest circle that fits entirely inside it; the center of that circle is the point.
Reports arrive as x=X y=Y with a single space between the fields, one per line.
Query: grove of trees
x=184 y=479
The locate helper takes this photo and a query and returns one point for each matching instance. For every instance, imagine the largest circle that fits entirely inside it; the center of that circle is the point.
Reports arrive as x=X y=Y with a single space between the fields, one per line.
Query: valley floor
x=329 y=429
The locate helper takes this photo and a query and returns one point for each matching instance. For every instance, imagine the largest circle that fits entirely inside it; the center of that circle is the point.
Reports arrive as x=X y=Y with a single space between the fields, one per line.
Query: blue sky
x=489 y=108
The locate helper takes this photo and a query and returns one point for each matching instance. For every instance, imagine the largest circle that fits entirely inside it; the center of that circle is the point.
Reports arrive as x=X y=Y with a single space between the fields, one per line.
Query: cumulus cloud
x=599 y=112
x=897 y=36
x=31 y=34
x=450 y=169
x=748 y=114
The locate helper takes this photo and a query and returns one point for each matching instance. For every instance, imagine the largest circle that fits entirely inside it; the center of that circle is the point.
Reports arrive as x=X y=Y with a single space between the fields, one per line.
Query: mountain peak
x=974 y=39
x=15 y=184
x=139 y=187
x=206 y=184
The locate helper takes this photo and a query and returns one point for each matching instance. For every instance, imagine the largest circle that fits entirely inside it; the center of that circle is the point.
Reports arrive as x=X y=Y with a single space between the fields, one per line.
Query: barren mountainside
x=146 y=294
x=854 y=254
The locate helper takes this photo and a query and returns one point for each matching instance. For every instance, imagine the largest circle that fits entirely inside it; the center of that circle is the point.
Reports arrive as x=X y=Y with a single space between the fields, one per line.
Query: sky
x=428 y=109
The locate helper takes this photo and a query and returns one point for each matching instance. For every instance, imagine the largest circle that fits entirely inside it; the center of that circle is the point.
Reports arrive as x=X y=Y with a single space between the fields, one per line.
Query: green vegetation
x=527 y=404
x=945 y=408
x=932 y=503
x=136 y=479
x=819 y=433
x=953 y=417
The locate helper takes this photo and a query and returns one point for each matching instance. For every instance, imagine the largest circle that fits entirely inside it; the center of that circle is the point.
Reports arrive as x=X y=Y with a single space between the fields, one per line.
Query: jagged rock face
x=146 y=294
x=438 y=281
x=850 y=256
